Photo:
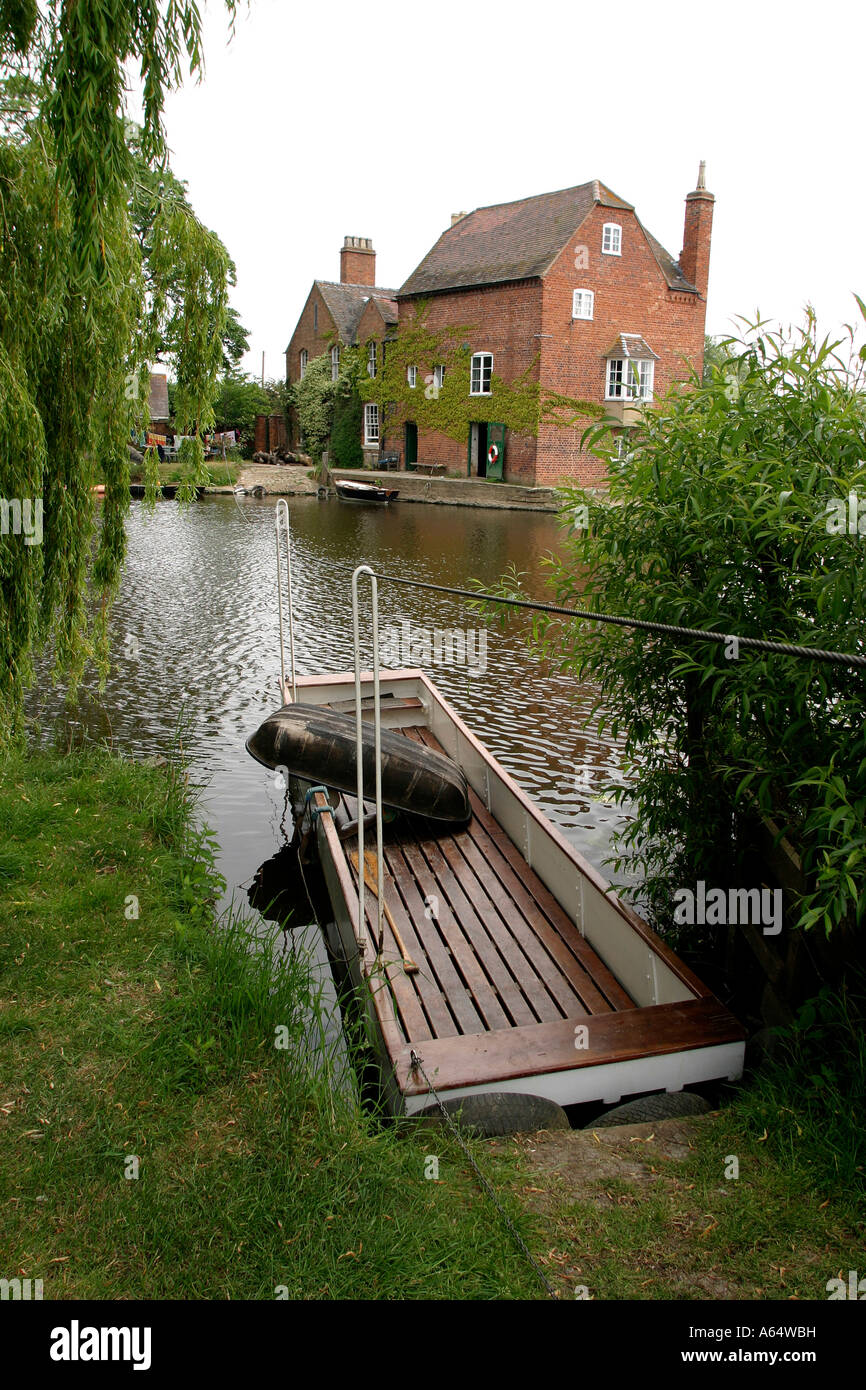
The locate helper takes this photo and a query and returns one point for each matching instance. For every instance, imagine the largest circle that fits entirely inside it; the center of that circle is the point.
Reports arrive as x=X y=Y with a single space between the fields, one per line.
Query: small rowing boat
x=349 y=491
x=491 y=960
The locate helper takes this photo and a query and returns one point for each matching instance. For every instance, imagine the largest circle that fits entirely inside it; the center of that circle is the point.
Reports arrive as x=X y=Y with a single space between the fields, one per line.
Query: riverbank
x=154 y=1141
x=458 y=492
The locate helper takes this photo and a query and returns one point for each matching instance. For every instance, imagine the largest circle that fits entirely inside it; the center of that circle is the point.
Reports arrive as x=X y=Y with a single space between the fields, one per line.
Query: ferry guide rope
x=486 y=1185
x=758 y=644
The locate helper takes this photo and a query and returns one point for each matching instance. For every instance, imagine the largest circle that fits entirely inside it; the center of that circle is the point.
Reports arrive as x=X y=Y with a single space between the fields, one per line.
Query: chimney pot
x=357 y=261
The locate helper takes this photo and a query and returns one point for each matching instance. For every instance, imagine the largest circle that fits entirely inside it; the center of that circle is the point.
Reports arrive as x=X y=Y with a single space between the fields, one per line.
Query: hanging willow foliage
x=79 y=319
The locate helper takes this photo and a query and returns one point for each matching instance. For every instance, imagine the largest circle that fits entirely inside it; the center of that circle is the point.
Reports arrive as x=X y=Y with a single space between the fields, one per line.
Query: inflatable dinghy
x=318 y=744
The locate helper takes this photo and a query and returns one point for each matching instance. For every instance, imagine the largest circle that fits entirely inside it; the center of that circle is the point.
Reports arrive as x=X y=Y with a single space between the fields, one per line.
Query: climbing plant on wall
x=521 y=405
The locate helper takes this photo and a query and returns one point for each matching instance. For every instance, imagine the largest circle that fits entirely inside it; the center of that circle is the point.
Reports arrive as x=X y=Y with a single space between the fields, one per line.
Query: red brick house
x=336 y=311
x=568 y=288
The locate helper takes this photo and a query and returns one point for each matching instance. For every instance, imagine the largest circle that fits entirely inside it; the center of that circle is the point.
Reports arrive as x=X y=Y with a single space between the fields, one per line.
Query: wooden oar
x=371 y=879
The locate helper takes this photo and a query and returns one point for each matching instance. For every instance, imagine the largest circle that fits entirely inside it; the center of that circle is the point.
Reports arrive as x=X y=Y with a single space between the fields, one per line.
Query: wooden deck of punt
x=505 y=976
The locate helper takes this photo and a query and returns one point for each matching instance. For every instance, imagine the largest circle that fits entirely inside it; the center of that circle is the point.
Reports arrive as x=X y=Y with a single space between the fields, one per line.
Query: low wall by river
x=459 y=492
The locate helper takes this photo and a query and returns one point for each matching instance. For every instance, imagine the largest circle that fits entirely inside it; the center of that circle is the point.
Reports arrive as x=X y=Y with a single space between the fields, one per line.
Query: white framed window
x=582 y=304
x=438 y=375
x=371 y=424
x=412 y=376
x=371 y=360
x=303 y=362
x=646 y=371
x=611 y=239
x=630 y=379
x=482 y=370
x=335 y=363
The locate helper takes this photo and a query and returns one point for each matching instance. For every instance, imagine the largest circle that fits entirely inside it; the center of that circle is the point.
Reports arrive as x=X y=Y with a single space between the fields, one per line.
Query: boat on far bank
x=349 y=491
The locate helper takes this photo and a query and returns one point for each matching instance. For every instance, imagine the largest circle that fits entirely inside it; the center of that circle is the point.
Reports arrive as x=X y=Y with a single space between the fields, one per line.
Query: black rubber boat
x=319 y=745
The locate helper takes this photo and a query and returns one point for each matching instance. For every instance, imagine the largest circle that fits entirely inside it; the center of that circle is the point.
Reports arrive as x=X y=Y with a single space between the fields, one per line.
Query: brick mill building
x=568 y=287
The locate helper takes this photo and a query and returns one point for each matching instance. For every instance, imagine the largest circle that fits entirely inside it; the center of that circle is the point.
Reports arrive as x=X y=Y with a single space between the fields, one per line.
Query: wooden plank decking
x=495 y=950
x=504 y=974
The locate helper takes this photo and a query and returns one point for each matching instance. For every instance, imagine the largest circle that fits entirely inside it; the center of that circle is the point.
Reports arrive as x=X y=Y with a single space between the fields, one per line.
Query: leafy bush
x=724 y=515
x=346 y=431
x=314 y=403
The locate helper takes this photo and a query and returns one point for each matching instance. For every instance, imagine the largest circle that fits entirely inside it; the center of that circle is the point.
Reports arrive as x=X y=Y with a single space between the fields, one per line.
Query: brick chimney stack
x=357 y=261
x=695 y=256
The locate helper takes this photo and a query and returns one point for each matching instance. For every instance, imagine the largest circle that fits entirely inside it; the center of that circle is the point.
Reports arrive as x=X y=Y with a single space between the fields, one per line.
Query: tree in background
x=81 y=314
x=239 y=400
x=155 y=188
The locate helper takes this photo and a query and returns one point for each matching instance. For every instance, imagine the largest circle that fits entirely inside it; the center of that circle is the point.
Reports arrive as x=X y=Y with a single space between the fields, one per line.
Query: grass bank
x=152 y=1037
x=221 y=472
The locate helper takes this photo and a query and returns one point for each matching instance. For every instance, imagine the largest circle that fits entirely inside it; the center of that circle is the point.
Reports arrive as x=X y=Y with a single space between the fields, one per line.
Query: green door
x=495 y=452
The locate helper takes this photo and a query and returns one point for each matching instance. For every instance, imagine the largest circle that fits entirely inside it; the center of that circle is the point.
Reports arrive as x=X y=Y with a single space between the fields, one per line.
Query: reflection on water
x=195 y=629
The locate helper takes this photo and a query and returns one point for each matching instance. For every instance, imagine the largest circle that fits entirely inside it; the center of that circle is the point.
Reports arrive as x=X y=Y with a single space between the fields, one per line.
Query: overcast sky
x=380 y=118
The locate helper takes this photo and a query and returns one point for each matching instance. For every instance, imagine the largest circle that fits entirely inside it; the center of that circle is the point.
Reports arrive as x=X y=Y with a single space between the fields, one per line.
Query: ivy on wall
x=330 y=413
x=521 y=405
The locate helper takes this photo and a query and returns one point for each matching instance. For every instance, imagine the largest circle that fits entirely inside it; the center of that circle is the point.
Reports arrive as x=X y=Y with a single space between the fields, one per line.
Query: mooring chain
x=417 y=1065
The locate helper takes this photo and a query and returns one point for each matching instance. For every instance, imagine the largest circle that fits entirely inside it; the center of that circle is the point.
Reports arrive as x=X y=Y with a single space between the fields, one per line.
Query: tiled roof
x=631 y=345
x=346 y=304
x=387 y=308
x=509 y=241
x=669 y=267
x=519 y=241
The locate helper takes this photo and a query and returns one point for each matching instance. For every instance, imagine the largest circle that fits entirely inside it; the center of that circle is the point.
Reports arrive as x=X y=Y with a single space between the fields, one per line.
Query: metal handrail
x=282 y=524
x=361 y=931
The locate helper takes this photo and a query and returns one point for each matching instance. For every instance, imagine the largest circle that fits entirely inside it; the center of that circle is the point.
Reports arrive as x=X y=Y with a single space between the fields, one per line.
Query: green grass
x=683 y=1230
x=222 y=473
x=673 y=1217
x=810 y=1098
x=154 y=1036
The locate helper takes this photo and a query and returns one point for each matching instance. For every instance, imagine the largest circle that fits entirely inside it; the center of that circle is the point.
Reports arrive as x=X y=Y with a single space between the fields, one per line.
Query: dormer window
x=482 y=371
x=303 y=362
x=371 y=360
x=583 y=304
x=611 y=239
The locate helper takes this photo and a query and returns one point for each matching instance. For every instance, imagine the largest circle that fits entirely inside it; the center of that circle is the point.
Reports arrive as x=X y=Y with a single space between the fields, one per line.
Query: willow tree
x=79 y=319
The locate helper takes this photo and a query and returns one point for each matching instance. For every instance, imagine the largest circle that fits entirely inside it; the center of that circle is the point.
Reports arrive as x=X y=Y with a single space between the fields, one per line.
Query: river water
x=195 y=631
